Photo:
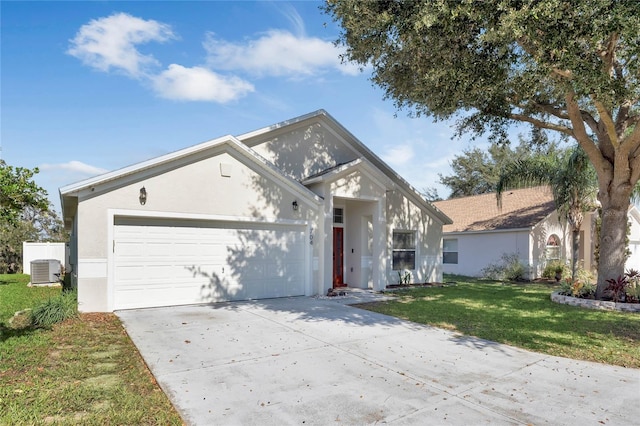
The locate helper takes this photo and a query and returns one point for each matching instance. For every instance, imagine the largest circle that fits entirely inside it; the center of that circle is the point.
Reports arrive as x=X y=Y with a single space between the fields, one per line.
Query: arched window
x=553 y=247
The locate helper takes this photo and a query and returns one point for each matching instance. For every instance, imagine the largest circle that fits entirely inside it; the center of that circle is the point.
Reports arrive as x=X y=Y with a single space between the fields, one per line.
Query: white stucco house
x=633 y=261
x=526 y=224
x=292 y=209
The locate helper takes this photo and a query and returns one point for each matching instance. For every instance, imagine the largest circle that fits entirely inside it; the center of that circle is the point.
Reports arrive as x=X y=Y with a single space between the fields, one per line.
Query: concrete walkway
x=313 y=361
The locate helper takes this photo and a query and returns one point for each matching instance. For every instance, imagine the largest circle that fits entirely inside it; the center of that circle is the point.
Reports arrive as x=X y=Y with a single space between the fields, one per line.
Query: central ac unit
x=45 y=271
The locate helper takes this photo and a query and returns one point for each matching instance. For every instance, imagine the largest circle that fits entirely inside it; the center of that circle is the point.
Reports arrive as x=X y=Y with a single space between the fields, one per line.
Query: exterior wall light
x=294 y=205
x=143 y=196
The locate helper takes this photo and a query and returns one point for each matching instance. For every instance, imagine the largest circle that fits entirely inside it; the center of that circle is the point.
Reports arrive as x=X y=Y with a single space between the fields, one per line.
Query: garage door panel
x=167 y=262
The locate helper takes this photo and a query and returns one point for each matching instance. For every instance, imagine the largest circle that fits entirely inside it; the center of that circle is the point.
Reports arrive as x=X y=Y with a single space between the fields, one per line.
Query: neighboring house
x=526 y=224
x=633 y=262
x=292 y=209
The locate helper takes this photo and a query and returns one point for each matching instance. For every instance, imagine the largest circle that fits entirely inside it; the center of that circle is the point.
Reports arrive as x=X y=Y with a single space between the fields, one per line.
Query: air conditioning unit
x=45 y=271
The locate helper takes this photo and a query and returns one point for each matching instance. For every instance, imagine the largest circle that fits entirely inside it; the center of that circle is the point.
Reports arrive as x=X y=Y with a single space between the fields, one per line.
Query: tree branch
x=542 y=124
x=607 y=121
x=635 y=169
x=563 y=73
x=609 y=54
x=632 y=142
x=622 y=118
x=550 y=109
x=580 y=134
x=590 y=121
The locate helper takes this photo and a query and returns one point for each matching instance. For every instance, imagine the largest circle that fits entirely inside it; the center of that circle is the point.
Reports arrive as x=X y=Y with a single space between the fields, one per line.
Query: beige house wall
x=305 y=151
x=403 y=214
x=214 y=187
x=476 y=250
x=224 y=180
x=539 y=236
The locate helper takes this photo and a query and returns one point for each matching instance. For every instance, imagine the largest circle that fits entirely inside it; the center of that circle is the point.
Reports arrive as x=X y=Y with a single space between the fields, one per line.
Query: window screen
x=450 y=251
x=404 y=250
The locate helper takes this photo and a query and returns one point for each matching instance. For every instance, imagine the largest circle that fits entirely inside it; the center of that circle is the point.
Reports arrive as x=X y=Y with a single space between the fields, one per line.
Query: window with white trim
x=404 y=250
x=338 y=215
x=450 y=251
x=552 y=251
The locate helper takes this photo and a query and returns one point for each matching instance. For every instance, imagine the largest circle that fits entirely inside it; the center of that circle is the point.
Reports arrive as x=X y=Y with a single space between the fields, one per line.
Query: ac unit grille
x=44 y=271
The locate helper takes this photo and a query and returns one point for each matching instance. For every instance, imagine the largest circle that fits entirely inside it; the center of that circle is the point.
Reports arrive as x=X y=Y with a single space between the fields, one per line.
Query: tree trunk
x=575 y=238
x=612 y=239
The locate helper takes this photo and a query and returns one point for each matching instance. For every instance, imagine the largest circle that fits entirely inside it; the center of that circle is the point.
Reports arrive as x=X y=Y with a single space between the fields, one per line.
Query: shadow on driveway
x=314 y=361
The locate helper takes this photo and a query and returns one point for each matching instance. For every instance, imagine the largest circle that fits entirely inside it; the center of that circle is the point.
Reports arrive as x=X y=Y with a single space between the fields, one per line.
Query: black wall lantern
x=143 y=196
x=294 y=205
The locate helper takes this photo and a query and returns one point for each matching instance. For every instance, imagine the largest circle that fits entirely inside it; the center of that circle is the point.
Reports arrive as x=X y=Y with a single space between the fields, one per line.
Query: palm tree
x=572 y=180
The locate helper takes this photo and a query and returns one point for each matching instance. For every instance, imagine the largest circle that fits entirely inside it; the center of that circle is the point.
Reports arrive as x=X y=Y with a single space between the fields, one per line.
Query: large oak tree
x=571 y=66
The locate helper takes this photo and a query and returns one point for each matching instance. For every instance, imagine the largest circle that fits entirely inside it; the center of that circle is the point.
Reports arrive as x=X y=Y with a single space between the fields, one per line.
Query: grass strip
x=84 y=370
x=521 y=315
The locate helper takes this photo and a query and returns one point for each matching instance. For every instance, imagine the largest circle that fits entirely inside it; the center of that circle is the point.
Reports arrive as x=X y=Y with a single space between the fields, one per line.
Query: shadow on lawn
x=7 y=333
x=515 y=314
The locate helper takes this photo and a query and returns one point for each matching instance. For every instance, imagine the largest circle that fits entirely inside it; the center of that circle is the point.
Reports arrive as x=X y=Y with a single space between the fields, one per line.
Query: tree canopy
x=476 y=171
x=18 y=191
x=571 y=66
x=25 y=215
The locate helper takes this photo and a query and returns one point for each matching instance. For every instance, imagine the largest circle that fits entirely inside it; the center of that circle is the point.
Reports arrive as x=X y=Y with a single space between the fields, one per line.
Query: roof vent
x=45 y=271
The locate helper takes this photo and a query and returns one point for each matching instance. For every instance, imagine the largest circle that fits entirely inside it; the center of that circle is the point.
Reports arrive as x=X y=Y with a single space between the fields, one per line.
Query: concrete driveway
x=317 y=362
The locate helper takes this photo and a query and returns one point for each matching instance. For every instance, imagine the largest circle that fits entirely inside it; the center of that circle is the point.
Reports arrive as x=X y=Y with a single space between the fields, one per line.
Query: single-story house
x=633 y=261
x=292 y=209
x=527 y=224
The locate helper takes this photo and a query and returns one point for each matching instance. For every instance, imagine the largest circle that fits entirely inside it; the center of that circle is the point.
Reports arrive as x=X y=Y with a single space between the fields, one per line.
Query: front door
x=338 y=257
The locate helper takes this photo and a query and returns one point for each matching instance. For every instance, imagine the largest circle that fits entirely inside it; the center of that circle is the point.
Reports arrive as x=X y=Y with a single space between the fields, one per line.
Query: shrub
x=508 y=268
x=555 y=266
x=585 y=275
x=404 y=278
x=617 y=288
x=578 y=288
x=56 y=309
x=633 y=286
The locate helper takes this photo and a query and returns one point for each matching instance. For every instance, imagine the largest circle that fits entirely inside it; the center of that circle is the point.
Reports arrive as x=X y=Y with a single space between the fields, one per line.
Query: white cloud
x=74 y=166
x=277 y=53
x=398 y=155
x=110 y=42
x=198 y=84
x=292 y=15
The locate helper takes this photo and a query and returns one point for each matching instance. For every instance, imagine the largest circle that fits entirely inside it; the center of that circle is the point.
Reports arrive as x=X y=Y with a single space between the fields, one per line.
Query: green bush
x=56 y=309
x=553 y=267
x=633 y=286
x=508 y=268
x=577 y=288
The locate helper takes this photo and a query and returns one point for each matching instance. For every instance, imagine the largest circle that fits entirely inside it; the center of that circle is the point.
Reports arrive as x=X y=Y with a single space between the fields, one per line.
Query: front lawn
x=81 y=371
x=521 y=315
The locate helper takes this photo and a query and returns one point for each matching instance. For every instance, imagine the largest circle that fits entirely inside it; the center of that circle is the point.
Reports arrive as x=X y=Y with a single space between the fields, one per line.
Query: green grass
x=15 y=295
x=81 y=371
x=521 y=315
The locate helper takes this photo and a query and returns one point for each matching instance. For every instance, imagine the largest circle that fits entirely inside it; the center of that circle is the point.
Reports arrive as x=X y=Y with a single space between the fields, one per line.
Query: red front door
x=338 y=257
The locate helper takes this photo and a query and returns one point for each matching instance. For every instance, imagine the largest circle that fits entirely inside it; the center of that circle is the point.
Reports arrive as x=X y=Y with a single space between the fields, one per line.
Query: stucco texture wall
x=305 y=151
x=404 y=215
x=477 y=250
x=217 y=185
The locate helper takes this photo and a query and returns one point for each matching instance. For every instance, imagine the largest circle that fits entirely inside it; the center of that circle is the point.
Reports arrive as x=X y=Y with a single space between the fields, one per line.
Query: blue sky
x=89 y=87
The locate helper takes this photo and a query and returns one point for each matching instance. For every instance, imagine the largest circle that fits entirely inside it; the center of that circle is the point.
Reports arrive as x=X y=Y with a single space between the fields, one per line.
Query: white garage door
x=160 y=262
